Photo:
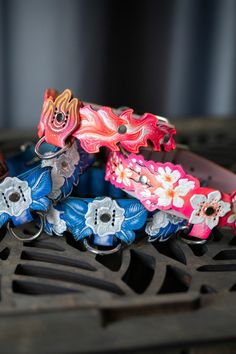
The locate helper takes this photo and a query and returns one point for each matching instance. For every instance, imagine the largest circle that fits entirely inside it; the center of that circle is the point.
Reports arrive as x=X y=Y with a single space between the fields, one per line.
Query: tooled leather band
x=65 y=118
x=169 y=186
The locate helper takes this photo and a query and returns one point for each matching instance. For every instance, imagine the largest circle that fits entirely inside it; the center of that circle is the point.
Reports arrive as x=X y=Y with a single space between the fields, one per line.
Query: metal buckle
x=52 y=155
x=162 y=120
x=33 y=237
x=101 y=252
x=189 y=240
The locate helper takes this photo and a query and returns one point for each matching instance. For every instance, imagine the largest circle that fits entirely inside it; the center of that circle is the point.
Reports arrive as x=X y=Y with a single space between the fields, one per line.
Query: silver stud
x=143 y=179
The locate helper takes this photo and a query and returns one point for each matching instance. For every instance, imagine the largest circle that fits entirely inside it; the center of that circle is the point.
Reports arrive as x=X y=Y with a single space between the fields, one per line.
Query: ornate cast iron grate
x=56 y=298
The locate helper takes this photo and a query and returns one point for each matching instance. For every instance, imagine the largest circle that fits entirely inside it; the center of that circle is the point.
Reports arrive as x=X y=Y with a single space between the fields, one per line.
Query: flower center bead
x=14 y=197
x=209 y=211
x=60 y=117
x=105 y=217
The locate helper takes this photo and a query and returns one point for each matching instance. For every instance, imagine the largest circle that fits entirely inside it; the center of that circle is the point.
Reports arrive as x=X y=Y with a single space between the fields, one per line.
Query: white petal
x=161 y=171
x=128 y=172
x=195 y=219
x=161 y=192
x=164 y=201
x=231 y=218
x=175 y=175
x=225 y=208
x=212 y=222
x=196 y=200
x=214 y=196
x=104 y=229
x=119 y=180
x=178 y=202
x=168 y=170
x=126 y=181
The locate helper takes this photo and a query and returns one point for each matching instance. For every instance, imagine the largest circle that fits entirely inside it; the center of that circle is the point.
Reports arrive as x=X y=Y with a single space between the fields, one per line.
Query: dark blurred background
x=175 y=58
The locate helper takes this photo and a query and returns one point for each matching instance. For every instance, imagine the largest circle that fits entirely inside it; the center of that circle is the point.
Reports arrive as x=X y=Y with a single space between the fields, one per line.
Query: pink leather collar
x=170 y=186
x=65 y=118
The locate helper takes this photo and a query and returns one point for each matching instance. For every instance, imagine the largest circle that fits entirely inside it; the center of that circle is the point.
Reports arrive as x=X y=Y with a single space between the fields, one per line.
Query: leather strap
x=208 y=172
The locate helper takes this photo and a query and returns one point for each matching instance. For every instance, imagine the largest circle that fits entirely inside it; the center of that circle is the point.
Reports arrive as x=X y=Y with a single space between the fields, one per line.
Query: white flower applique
x=62 y=167
x=160 y=220
x=208 y=208
x=15 y=196
x=104 y=217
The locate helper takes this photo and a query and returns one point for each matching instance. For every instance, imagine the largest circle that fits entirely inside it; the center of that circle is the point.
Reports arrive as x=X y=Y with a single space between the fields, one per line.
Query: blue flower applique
x=22 y=195
x=104 y=218
x=163 y=226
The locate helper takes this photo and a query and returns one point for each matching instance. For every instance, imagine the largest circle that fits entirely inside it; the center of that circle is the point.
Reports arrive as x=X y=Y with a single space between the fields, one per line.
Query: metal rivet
x=14 y=197
x=122 y=129
x=105 y=217
x=209 y=211
x=143 y=179
x=60 y=117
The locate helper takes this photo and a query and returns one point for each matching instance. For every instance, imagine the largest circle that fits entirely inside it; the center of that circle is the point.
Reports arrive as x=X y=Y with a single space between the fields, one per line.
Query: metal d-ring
x=189 y=240
x=100 y=252
x=33 y=237
x=52 y=155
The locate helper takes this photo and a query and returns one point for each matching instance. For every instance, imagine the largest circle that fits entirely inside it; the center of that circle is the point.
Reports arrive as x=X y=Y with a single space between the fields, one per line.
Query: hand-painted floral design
x=163 y=226
x=21 y=195
x=208 y=208
x=102 y=217
x=65 y=170
x=157 y=185
x=167 y=176
x=54 y=223
x=170 y=195
x=232 y=218
x=122 y=174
